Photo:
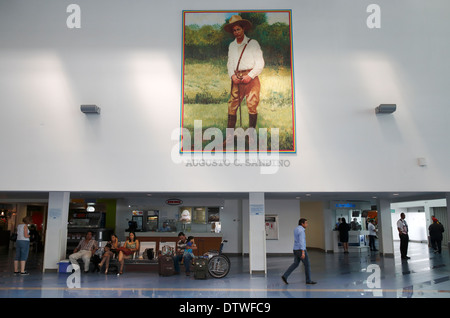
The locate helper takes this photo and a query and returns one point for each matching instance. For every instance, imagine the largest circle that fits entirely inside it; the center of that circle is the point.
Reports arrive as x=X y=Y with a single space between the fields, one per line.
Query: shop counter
x=357 y=241
x=204 y=241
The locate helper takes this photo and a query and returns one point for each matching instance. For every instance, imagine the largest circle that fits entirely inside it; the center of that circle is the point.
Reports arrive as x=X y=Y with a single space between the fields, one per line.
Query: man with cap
x=245 y=63
x=436 y=229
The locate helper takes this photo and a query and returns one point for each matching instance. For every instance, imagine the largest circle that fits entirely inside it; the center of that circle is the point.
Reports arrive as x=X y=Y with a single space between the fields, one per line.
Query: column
x=386 y=242
x=447 y=226
x=56 y=232
x=257 y=233
x=328 y=226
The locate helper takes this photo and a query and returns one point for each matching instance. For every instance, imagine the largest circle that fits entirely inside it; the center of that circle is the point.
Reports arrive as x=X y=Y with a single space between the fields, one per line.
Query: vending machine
x=153 y=221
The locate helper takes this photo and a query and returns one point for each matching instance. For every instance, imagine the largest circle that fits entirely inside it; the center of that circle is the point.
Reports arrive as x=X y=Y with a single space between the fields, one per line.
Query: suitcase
x=165 y=265
x=200 y=268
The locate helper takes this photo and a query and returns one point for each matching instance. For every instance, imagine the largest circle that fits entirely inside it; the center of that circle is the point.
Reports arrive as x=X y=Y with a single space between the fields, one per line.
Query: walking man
x=300 y=253
x=402 y=228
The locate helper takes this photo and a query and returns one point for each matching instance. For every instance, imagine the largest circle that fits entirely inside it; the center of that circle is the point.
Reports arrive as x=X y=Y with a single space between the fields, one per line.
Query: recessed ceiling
x=39 y=196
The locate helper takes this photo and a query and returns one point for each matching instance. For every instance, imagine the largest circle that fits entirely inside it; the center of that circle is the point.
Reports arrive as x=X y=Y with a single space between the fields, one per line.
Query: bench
x=138 y=261
x=139 y=258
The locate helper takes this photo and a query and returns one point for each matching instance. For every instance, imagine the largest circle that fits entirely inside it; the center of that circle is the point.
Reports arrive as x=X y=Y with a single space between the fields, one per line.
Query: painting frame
x=206 y=86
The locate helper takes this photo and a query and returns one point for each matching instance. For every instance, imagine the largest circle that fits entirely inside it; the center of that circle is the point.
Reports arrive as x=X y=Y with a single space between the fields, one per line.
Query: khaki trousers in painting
x=250 y=91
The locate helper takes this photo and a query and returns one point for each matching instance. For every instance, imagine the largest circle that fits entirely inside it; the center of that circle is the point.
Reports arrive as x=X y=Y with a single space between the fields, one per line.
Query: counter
x=357 y=241
x=173 y=234
x=204 y=241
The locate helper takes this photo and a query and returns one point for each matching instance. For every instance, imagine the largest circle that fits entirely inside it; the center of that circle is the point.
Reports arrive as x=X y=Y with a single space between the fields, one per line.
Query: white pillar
x=447 y=226
x=56 y=232
x=385 y=228
x=257 y=233
x=328 y=227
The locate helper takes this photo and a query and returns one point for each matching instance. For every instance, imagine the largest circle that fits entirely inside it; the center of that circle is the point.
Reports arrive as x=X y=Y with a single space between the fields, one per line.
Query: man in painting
x=245 y=63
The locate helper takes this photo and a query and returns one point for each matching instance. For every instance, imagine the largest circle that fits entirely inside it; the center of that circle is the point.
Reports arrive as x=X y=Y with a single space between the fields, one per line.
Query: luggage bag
x=165 y=265
x=200 y=268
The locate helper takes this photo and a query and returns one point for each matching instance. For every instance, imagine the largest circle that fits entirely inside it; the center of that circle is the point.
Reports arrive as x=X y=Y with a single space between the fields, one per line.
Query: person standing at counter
x=343 y=229
x=402 y=228
x=22 y=246
x=300 y=253
x=372 y=235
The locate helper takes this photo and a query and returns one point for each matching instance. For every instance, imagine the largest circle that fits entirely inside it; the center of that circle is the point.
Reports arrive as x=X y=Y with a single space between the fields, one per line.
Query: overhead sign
x=345 y=205
x=174 y=201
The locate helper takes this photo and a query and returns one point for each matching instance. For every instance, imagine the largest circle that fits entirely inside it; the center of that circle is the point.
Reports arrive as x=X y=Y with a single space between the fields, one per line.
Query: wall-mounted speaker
x=386 y=108
x=90 y=109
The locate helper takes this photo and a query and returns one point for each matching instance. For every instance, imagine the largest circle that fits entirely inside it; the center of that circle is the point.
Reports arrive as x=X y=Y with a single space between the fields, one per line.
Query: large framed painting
x=237 y=81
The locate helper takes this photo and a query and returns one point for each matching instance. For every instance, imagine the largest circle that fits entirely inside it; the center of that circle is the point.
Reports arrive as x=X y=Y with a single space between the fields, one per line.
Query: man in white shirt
x=372 y=235
x=245 y=63
x=402 y=228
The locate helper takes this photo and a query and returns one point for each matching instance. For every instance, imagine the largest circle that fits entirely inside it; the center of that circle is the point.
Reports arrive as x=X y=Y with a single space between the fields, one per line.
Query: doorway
x=440 y=213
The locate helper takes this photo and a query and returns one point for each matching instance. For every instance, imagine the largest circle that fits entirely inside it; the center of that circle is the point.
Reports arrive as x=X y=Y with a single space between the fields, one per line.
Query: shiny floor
x=354 y=275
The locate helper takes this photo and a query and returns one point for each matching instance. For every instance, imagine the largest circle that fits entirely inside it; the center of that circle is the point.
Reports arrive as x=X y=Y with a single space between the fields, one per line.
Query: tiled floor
x=425 y=275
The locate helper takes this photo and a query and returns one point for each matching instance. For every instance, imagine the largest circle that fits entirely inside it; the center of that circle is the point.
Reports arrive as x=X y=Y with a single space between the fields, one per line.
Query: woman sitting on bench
x=110 y=249
x=127 y=250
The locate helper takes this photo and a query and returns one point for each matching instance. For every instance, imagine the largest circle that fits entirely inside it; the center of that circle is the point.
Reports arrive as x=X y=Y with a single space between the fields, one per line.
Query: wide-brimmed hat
x=237 y=19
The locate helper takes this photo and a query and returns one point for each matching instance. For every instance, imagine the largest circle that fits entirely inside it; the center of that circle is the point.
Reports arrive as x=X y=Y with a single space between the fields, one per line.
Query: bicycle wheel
x=219 y=266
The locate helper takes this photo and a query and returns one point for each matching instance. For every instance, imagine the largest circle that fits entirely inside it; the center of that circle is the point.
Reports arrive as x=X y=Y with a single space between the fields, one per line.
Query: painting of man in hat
x=238 y=73
x=245 y=63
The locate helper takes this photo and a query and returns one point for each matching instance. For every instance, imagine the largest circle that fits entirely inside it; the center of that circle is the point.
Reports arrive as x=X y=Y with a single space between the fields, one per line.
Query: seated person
x=107 y=255
x=165 y=227
x=115 y=244
x=181 y=246
x=85 y=249
x=188 y=254
x=188 y=250
x=127 y=250
x=111 y=250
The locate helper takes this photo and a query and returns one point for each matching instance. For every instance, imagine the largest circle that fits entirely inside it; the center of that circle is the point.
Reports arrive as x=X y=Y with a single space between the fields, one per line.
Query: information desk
x=204 y=241
x=357 y=241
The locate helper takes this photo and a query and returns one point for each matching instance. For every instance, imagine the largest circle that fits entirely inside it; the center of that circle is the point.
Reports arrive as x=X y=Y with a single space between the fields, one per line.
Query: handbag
x=13 y=237
x=125 y=250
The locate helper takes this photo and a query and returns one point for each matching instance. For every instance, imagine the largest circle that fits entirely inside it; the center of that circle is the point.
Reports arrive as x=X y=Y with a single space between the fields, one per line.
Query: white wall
x=418 y=222
x=288 y=212
x=126 y=58
x=417 y=230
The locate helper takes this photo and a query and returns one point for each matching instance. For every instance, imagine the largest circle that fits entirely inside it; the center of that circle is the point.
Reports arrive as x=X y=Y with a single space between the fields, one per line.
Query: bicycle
x=218 y=264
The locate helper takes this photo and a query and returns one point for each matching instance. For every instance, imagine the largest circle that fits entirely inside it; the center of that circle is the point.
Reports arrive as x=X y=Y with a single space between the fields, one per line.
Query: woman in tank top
x=127 y=250
x=22 y=246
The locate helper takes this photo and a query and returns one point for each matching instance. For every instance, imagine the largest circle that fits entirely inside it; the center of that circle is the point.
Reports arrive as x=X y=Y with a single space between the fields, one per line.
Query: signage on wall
x=174 y=201
x=256 y=209
x=345 y=205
